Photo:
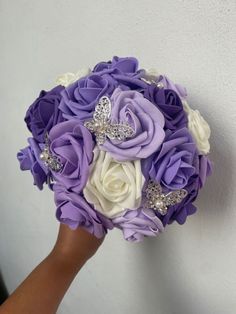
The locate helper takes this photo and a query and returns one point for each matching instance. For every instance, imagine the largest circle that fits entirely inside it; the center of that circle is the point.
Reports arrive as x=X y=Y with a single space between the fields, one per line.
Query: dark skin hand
x=44 y=288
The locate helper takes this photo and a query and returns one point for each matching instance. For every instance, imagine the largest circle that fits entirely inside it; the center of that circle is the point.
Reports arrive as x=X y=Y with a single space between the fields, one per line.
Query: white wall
x=187 y=270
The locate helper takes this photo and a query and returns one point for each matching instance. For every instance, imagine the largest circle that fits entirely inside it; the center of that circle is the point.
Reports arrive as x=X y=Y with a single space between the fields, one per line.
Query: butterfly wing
x=90 y=125
x=102 y=111
x=153 y=189
x=119 y=131
x=175 y=197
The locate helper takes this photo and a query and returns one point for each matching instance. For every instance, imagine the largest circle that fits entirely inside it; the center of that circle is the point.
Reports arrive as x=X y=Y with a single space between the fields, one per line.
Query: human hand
x=44 y=288
x=75 y=246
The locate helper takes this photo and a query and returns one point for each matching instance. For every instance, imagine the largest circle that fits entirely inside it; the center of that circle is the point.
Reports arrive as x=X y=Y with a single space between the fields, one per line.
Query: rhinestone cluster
x=49 y=160
x=101 y=126
x=159 y=201
x=158 y=84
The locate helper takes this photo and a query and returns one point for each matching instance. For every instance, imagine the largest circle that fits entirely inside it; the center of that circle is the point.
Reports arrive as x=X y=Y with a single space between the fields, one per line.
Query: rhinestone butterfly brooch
x=49 y=160
x=102 y=127
x=159 y=201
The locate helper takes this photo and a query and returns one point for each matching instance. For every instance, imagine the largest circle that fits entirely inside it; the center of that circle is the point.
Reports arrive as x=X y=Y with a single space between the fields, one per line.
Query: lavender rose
x=72 y=143
x=168 y=84
x=170 y=105
x=73 y=210
x=123 y=72
x=122 y=65
x=172 y=165
x=146 y=120
x=28 y=158
x=80 y=98
x=204 y=170
x=136 y=224
x=43 y=114
x=180 y=211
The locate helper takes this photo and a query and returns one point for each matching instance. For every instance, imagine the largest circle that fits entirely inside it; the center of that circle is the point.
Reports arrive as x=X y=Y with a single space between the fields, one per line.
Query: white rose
x=68 y=78
x=113 y=186
x=151 y=74
x=199 y=129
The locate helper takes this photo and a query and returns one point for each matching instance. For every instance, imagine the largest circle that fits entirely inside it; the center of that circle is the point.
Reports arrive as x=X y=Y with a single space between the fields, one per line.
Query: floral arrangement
x=119 y=147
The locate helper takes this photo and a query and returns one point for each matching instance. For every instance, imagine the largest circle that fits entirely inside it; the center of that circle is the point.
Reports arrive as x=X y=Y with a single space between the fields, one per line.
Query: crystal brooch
x=157 y=200
x=102 y=127
x=49 y=160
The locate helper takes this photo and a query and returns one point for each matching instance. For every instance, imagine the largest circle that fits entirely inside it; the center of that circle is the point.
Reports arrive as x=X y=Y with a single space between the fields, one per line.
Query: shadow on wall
x=216 y=197
x=3 y=290
x=169 y=290
x=163 y=268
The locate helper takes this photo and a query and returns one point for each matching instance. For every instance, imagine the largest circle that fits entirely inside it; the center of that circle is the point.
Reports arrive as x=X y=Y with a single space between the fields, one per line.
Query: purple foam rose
x=168 y=84
x=136 y=224
x=29 y=160
x=170 y=105
x=126 y=65
x=180 y=211
x=80 y=98
x=205 y=169
x=44 y=113
x=72 y=143
x=146 y=120
x=123 y=72
x=73 y=210
x=172 y=165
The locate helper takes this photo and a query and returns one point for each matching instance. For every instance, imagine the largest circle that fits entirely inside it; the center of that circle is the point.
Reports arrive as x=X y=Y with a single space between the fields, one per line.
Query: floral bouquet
x=120 y=147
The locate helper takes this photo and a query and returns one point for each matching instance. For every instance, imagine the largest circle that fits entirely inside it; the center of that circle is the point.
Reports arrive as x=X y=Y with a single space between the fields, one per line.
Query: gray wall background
x=187 y=270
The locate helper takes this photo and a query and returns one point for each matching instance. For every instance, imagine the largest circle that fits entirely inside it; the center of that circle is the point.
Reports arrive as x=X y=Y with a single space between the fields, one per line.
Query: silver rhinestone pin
x=102 y=127
x=149 y=82
x=49 y=160
x=159 y=201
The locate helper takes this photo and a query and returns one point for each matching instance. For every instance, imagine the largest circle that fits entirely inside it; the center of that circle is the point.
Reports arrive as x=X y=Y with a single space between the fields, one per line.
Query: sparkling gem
x=49 y=160
x=158 y=84
x=159 y=201
x=102 y=127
